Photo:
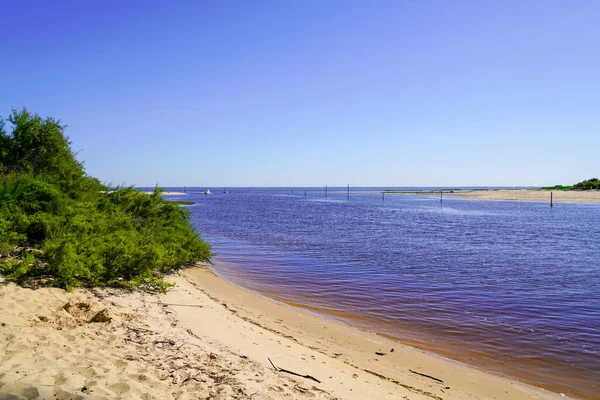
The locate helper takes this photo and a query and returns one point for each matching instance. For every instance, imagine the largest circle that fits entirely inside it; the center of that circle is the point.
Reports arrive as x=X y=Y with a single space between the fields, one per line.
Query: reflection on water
x=513 y=287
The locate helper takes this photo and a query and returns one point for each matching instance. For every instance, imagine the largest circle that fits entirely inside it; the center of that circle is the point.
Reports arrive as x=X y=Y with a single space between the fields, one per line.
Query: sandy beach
x=207 y=338
x=168 y=193
x=590 y=196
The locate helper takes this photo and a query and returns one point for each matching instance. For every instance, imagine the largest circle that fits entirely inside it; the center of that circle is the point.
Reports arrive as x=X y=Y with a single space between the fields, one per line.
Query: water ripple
x=510 y=286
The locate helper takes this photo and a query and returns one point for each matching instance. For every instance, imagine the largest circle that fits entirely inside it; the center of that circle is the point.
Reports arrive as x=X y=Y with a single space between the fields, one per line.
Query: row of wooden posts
x=383 y=195
x=348 y=193
x=326 y=194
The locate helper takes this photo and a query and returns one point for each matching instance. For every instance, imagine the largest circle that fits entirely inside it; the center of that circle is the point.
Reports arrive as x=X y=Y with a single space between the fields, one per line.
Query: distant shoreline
x=558 y=196
x=168 y=193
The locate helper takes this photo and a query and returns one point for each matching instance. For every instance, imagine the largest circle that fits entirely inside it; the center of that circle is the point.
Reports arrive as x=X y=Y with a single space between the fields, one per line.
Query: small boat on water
x=225 y=191
x=207 y=191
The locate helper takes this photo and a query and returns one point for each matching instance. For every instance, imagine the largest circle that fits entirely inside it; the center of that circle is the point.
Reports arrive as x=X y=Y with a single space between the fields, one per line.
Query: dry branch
x=427 y=376
x=182 y=305
x=293 y=373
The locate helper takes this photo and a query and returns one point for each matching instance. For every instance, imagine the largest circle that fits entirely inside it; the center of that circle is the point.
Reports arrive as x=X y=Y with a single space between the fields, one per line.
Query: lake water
x=511 y=287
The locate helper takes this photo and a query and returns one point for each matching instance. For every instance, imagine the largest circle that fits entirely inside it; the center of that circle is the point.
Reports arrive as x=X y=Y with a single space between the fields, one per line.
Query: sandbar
x=574 y=196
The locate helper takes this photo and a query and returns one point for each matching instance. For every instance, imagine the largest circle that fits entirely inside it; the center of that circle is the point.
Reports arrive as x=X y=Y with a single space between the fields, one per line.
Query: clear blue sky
x=286 y=93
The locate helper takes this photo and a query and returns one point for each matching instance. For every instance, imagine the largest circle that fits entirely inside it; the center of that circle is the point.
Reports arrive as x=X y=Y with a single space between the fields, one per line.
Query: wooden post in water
x=292 y=192
x=305 y=193
x=325 y=191
x=551 y=205
x=382 y=196
x=441 y=195
x=348 y=192
x=183 y=188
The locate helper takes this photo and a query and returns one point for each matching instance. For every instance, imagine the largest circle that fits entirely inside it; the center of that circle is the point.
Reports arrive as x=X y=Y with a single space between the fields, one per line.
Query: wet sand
x=325 y=344
x=209 y=338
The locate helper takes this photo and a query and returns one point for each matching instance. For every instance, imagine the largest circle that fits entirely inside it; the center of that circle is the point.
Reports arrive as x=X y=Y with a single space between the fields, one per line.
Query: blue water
x=513 y=287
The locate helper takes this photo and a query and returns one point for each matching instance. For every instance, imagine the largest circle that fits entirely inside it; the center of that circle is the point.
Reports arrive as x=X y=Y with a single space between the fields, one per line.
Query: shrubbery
x=558 y=187
x=590 y=184
x=57 y=222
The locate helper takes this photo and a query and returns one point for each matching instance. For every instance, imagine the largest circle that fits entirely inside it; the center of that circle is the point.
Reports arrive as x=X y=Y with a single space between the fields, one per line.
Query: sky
x=312 y=93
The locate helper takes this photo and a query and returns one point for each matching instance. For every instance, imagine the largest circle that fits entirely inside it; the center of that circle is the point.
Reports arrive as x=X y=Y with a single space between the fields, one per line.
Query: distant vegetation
x=558 y=187
x=63 y=226
x=590 y=184
x=593 y=183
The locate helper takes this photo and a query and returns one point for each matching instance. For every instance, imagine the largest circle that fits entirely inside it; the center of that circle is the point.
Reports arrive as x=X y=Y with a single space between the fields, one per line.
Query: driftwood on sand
x=292 y=372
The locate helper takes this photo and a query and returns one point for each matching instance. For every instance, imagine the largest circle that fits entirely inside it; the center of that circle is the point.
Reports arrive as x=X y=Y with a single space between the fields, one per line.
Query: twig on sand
x=181 y=305
x=169 y=342
x=292 y=372
x=427 y=376
x=140 y=330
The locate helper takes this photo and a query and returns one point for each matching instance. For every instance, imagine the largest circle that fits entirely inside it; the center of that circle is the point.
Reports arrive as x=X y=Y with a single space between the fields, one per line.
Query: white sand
x=143 y=353
x=209 y=339
x=168 y=193
x=589 y=196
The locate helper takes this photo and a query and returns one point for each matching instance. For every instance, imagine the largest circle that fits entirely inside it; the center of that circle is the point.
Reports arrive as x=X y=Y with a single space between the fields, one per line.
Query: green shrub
x=57 y=221
x=558 y=187
x=590 y=184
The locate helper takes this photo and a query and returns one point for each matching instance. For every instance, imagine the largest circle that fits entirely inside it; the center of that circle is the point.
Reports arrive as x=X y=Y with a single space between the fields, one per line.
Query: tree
x=590 y=184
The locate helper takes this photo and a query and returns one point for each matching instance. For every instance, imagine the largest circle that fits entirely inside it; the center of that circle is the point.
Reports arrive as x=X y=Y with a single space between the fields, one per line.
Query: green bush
x=590 y=184
x=558 y=187
x=56 y=221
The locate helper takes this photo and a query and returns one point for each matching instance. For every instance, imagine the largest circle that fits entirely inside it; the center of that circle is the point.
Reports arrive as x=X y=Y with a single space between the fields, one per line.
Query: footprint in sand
x=18 y=391
x=87 y=372
x=60 y=394
x=119 y=363
x=70 y=338
x=41 y=338
x=31 y=393
x=119 y=388
x=60 y=379
x=138 y=377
